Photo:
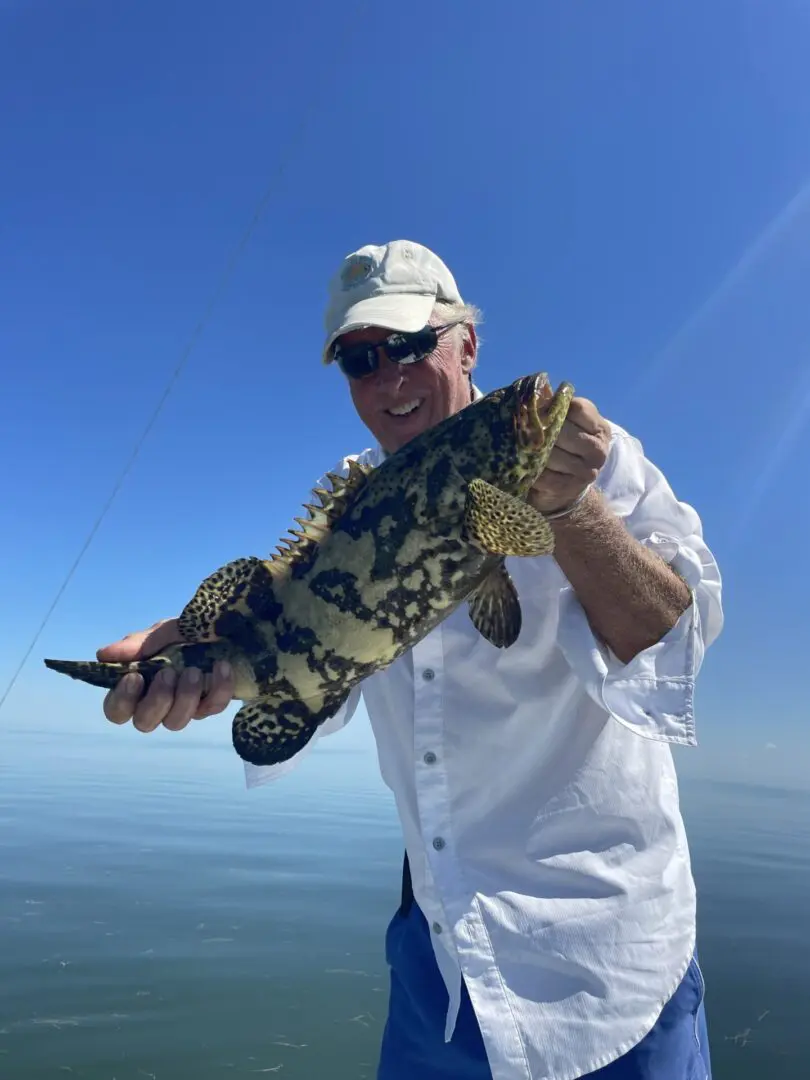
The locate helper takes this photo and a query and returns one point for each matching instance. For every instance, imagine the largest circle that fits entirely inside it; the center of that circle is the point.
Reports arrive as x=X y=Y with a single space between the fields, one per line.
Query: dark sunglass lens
x=409 y=348
x=356 y=361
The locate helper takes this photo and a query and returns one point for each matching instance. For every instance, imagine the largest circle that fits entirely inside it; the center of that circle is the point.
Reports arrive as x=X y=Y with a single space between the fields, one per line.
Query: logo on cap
x=358 y=270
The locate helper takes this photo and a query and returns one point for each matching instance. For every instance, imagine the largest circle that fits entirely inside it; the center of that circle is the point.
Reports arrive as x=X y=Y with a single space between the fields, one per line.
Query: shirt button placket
x=431 y=794
x=428 y=675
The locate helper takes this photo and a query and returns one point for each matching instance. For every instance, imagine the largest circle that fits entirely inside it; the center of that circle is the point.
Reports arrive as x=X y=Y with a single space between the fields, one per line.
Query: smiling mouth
x=408 y=408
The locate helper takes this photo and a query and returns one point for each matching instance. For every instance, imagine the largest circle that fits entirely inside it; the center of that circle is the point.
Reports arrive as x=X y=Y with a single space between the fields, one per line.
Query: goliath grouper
x=389 y=553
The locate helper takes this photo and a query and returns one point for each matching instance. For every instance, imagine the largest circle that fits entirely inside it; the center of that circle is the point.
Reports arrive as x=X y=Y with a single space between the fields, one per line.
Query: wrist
x=568 y=508
x=571 y=517
x=564 y=510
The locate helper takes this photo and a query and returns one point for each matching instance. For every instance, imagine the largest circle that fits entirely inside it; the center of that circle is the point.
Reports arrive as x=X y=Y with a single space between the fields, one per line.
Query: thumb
x=142 y=643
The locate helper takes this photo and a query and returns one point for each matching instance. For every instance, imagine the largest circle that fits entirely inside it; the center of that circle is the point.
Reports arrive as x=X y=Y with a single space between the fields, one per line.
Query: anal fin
x=269 y=730
x=503 y=524
x=495 y=608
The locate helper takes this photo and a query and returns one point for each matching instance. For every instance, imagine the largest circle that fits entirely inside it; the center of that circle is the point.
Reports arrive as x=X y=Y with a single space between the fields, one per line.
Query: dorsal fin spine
x=302 y=542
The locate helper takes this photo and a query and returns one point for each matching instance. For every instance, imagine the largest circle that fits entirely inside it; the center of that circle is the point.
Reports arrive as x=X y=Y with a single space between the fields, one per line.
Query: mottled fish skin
x=389 y=554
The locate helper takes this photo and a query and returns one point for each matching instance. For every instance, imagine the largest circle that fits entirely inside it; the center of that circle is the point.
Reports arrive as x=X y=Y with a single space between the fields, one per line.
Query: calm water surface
x=159 y=921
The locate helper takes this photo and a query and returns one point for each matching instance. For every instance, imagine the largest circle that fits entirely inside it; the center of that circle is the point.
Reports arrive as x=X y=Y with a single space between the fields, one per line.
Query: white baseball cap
x=393 y=285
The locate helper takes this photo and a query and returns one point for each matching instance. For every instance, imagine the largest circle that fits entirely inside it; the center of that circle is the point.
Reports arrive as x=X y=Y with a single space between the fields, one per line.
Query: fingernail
x=225 y=669
x=193 y=676
x=168 y=676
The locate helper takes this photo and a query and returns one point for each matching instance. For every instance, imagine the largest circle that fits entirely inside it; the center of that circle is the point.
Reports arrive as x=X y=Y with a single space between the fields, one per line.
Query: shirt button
x=429 y=758
x=437 y=928
x=428 y=674
x=438 y=843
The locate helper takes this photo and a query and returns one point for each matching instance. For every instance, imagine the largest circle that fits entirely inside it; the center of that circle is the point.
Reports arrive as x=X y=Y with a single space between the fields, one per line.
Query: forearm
x=631 y=596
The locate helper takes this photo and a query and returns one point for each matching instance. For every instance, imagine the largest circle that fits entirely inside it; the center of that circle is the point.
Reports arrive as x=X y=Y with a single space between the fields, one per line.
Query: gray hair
x=464 y=315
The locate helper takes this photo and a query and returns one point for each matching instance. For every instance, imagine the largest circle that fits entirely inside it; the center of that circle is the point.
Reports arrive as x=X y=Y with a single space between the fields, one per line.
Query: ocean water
x=159 y=921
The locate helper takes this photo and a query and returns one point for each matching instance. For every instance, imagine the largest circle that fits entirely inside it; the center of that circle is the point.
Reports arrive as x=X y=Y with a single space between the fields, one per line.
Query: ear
x=469 y=350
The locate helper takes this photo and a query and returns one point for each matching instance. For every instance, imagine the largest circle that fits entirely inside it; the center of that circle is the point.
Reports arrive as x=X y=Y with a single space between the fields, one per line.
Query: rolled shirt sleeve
x=653 y=694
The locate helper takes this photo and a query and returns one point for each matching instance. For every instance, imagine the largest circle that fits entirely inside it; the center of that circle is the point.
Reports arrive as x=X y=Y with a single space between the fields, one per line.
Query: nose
x=388 y=371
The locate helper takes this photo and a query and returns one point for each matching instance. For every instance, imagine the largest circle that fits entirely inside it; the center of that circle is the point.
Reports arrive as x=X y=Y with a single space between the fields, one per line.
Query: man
x=547 y=926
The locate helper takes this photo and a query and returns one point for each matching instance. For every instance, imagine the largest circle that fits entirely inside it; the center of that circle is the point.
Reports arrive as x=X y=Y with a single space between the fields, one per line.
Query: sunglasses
x=362 y=358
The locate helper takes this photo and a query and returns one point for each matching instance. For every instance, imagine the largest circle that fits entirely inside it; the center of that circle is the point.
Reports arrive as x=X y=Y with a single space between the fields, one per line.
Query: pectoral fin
x=495 y=609
x=504 y=525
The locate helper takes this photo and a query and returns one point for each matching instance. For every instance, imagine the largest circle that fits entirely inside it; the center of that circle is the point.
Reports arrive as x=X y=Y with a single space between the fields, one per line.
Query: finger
x=220 y=693
x=590 y=448
x=157 y=703
x=120 y=702
x=585 y=415
x=141 y=644
x=186 y=701
x=563 y=462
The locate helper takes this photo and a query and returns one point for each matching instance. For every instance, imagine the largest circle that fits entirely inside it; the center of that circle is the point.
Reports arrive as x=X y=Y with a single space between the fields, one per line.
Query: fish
x=381 y=559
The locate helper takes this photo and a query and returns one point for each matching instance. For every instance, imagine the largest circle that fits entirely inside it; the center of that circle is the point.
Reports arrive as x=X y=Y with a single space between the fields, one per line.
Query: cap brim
x=401 y=312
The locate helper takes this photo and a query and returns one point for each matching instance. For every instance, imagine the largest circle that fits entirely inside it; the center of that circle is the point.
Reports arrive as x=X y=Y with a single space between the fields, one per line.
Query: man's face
x=438 y=386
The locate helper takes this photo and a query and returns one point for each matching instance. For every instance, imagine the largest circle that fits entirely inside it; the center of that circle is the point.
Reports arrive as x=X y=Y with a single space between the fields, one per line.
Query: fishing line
x=337 y=51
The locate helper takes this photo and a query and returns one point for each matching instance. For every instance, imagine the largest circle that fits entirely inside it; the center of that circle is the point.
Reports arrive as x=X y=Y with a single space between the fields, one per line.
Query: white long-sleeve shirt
x=539 y=803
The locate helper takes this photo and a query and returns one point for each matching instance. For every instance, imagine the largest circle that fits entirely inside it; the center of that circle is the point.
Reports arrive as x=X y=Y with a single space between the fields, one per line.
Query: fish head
x=512 y=435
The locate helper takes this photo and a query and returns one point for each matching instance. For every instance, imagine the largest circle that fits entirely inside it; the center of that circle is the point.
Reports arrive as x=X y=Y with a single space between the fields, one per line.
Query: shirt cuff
x=257 y=775
x=653 y=694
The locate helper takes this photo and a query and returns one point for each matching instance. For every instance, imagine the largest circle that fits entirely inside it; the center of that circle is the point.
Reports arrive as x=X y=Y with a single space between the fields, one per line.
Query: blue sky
x=623 y=188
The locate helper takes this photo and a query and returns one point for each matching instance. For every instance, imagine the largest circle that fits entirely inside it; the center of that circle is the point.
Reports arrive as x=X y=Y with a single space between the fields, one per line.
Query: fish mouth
x=540 y=413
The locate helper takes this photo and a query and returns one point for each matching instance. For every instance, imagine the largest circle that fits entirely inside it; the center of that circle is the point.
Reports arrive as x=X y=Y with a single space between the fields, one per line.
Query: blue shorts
x=413 y=1043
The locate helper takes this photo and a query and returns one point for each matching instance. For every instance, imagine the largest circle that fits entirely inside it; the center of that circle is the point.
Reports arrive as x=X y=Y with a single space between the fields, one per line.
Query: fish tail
x=107 y=675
